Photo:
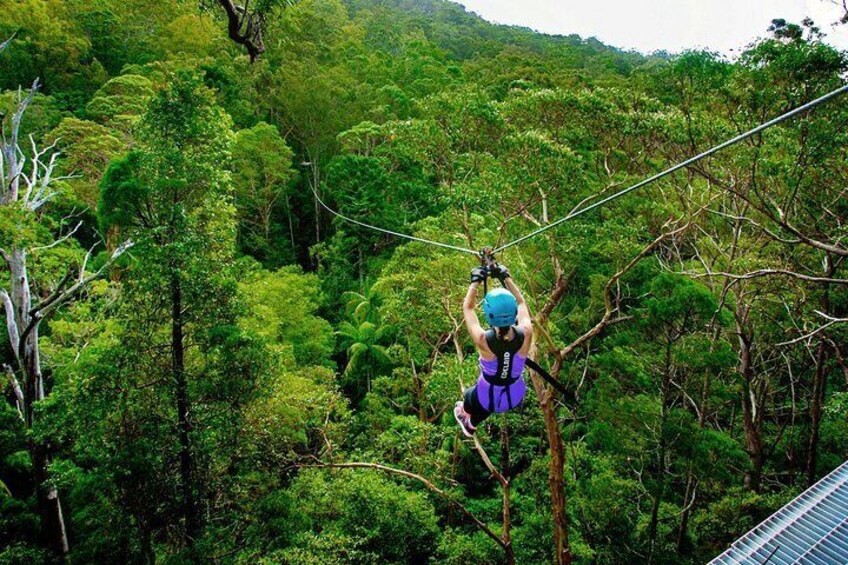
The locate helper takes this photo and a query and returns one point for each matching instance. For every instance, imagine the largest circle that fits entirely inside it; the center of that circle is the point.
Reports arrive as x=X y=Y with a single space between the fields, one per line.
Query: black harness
x=505 y=351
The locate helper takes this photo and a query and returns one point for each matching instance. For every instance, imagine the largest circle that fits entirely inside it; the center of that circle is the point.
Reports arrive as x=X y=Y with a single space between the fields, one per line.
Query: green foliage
x=733 y=515
x=401 y=526
x=122 y=193
x=119 y=103
x=307 y=339
x=281 y=425
x=282 y=309
x=87 y=150
x=48 y=46
x=262 y=176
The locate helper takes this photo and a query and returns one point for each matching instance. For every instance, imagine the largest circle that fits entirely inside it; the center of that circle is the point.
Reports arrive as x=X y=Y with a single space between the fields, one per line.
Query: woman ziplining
x=503 y=348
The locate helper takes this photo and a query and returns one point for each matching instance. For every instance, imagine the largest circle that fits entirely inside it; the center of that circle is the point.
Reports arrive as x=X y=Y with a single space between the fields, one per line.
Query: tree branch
x=488 y=463
x=82 y=282
x=7 y=42
x=57 y=292
x=831 y=321
x=11 y=323
x=428 y=484
x=770 y=272
x=16 y=388
x=59 y=241
x=610 y=309
x=251 y=39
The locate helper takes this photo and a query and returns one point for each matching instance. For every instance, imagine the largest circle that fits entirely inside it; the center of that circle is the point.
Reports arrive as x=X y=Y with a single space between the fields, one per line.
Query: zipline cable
x=390 y=232
x=686 y=163
x=741 y=137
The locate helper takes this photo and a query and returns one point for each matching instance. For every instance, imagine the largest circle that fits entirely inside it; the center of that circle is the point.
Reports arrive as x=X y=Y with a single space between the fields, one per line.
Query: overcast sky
x=671 y=25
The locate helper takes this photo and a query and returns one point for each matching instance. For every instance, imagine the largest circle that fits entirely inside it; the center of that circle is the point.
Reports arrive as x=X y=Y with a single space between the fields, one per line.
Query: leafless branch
x=806 y=337
x=16 y=388
x=83 y=280
x=427 y=484
x=769 y=272
x=59 y=241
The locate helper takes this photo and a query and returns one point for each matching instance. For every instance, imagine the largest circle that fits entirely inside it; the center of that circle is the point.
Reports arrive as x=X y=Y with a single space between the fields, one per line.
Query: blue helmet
x=500 y=307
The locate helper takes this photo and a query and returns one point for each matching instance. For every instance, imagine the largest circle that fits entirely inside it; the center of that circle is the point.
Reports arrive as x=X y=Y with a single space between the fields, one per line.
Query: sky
x=725 y=26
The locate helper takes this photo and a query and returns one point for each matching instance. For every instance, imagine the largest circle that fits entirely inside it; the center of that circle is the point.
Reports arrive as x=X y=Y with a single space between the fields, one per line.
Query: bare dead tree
x=27 y=185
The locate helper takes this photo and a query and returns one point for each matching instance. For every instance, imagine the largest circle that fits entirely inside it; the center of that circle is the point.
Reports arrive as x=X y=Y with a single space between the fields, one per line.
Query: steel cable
x=686 y=163
x=741 y=137
x=390 y=232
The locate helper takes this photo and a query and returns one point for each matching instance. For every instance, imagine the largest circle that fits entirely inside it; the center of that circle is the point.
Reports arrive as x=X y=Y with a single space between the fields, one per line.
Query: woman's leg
x=471 y=404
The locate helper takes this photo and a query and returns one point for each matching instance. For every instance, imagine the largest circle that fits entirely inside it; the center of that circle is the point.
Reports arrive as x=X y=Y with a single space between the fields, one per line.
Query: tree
x=87 y=150
x=262 y=176
x=171 y=193
x=363 y=340
x=119 y=103
x=677 y=308
x=34 y=295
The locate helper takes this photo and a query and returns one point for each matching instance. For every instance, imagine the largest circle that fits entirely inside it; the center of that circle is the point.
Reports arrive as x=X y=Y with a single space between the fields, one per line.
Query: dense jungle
x=203 y=364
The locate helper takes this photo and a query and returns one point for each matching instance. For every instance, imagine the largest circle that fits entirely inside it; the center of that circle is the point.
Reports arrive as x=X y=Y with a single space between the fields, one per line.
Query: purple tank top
x=490 y=366
x=496 y=398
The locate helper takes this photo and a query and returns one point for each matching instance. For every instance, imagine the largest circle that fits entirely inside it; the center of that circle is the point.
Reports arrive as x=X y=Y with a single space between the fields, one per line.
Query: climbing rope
x=487 y=254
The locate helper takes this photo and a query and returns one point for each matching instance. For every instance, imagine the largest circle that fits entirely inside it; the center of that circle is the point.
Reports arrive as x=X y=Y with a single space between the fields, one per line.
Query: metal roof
x=810 y=530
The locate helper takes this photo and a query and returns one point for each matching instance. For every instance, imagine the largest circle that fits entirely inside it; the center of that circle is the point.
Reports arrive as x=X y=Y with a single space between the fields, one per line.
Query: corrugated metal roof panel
x=810 y=530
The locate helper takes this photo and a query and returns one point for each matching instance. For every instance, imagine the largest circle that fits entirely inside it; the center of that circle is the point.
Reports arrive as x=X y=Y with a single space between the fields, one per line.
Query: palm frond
x=380 y=354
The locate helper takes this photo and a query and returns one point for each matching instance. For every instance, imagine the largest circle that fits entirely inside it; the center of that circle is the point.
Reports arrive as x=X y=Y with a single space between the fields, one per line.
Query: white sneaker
x=463 y=418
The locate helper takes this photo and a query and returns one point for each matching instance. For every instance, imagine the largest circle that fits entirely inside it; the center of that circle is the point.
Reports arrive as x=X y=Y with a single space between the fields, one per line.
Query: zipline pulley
x=487 y=261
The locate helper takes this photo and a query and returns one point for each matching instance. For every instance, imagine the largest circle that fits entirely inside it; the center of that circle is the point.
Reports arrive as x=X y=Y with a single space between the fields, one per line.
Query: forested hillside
x=203 y=365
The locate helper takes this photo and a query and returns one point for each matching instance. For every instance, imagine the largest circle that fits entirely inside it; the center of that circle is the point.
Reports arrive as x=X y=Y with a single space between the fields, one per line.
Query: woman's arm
x=469 y=313
x=525 y=321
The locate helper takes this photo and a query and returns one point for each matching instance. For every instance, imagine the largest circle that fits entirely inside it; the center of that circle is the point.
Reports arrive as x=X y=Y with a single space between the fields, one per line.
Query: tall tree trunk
x=556 y=475
x=556 y=465
x=816 y=410
x=53 y=531
x=184 y=424
x=661 y=454
x=688 y=501
x=751 y=413
x=820 y=384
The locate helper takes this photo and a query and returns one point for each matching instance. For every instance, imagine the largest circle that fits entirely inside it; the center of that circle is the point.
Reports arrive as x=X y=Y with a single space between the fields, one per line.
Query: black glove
x=478 y=275
x=499 y=272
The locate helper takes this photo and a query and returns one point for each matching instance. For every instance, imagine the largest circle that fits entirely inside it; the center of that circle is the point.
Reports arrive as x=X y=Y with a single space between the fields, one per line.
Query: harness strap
x=505 y=351
x=549 y=379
